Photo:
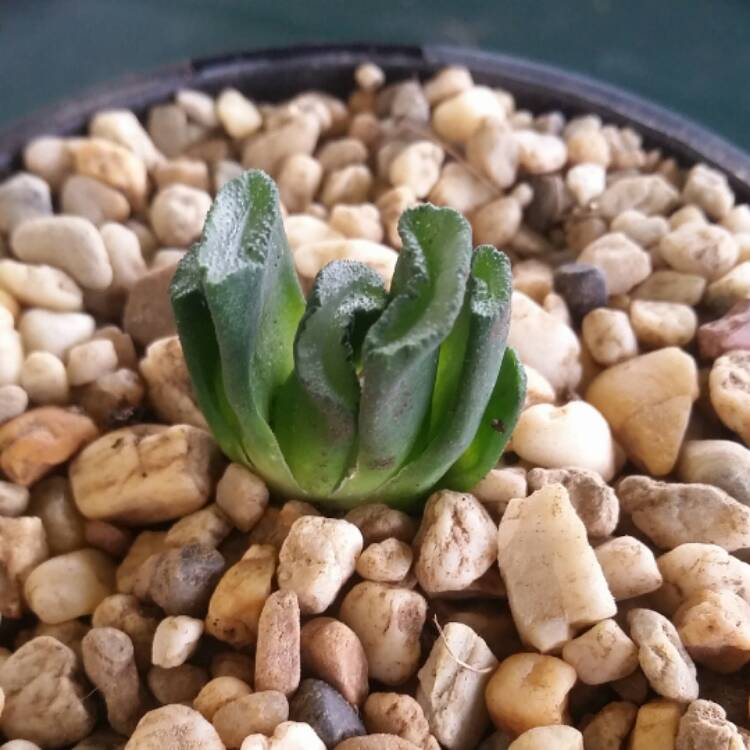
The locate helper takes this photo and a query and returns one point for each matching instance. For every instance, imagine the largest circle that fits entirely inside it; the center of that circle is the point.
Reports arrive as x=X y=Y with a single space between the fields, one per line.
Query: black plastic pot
x=277 y=73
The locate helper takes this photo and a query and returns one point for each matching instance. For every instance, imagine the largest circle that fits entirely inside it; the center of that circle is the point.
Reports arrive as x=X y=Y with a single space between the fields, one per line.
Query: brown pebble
x=277 y=655
x=148 y=311
x=732 y=331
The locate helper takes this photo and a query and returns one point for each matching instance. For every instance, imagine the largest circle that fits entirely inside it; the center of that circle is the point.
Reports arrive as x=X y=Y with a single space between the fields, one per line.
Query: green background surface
x=690 y=55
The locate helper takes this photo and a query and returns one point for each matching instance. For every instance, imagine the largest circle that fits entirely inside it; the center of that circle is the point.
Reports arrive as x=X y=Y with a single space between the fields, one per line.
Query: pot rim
x=543 y=86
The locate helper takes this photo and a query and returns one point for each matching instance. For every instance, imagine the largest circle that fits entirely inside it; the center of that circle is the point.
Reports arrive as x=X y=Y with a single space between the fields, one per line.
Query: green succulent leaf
x=400 y=351
x=247 y=279
x=316 y=412
x=473 y=355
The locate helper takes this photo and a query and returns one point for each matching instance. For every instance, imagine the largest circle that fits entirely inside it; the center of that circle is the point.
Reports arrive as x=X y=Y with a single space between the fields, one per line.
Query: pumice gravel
x=591 y=592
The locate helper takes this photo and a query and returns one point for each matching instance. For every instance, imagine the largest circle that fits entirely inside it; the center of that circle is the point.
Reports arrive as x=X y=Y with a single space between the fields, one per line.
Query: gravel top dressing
x=407 y=422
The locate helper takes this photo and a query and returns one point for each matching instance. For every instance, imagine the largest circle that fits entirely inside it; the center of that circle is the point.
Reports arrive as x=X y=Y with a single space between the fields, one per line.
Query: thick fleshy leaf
x=460 y=403
x=400 y=351
x=315 y=416
x=255 y=302
x=495 y=430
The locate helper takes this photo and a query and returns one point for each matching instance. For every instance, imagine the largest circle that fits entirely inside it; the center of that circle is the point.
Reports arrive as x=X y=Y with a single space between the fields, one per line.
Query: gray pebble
x=582 y=286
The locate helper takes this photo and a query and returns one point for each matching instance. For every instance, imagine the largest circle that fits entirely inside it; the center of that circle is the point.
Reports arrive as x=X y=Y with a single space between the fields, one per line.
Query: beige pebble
x=310 y=258
x=541 y=738
x=611 y=726
x=714 y=627
x=11 y=356
x=183 y=171
x=494 y=151
x=23 y=197
x=656 y=725
x=663 y=659
x=705 y=250
x=722 y=463
x=93 y=200
x=175 y=470
x=257 y=713
x=418 y=167
x=346 y=185
x=174 y=726
x=572 y=435
x=239 y=116
x=69 y=586
x=44 y=378
x=198 y=106
x=91 y=360
x=123 y=127
x=125 y=256
x=456 y=543
x=609 y=336
x=70 y=243
x=447 y=82
x=242 y=495
x=388 y=621
x=391 y=205
x=629 y=567
x=690 y=214
x=643 y=230
x=175 y=640
x=529 y=690
x=14 y=501
x=341 y=152
x=388 y=561
x=369 y=76
x=709 y=189
x=458 y=117
x=540 y=153
x=54 y=332
x=357 y=221
x=378 y=522
x=40 y=286
x=269 y=148
x=729 y=385
x=649 y=194
x=587 y=146
x=298 y=181
x=666 y=285
x=499 y=487
x=304 y=229
x=647 y=402
x=452 y=694
x=544 y=343
x=23 y=546
x=705 y=724
x=660 y=324
x=396 y=714
x=178 y=213
x=13 y=398
x=497 y=222
x=217 y=693
x=50 y=158
x=52 y=502
x=602 y=654
x=555 y=583
x=623 y=263
x=316 y=559
x=460 y=188
x=731 y=288
x=207 y=526
x=586 y=182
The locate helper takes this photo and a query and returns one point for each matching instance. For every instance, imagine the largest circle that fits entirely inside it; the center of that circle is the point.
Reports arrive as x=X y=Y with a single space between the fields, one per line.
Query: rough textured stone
x=721 y=463
x=148 y=312
x=582 y=286
x=731 y=331
x=277 y=653
x=704 y=725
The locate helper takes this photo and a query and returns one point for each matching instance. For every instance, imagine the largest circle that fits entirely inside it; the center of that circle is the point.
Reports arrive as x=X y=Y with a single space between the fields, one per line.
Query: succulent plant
x=359 y=393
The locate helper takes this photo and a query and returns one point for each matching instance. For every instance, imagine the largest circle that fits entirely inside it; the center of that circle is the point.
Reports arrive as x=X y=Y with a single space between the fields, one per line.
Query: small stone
x=123 y=127
x=732 y=288
x=705 y=725
x=275 y=524
x=113 y=398
x=375 y=742
x=13 y=402
x=198 y=106
x=656 y=726
x=396 y=714
x=661 y=324
x=388 y=561
x=458 y=117
x=238 y=115
x=89 y=361
x=594 y=500
x=494 y=151
x=666 y=285
x=175 y=640
x=649 y=194
x=70 y=243
x=298 y=181
x=709 y=251
x=722 y=463
x=176 y=727
x=93 y=200
x=709 y=189
x=388 y=621
x=316 y=559
x=673 y=514
x=23 y=547
x=714 y=626
x=378 y=522
x=647 y=402
x=417 y=166
x=645 y=231
x=11 y=356
x=14 y=499
x=497 y=222
x=207 y=526
x=237 y=601
x=50 y=158
x=544 y=343
x=732 y=331
x=45 y=698
x=40 y=286
x=663 y=658
x=540 y=153
x=23 y=197
x=499 y=487
x=184 y=579
x=32 y=444
x=178 y=213
x=110 y=539
x=623 y=263
x=357 y=222
x=217 y=693
x=175 y=471
x=575 y=435
x=582 y=286
x=452 y=694
x=456 y=543
x=259 y=713
x=609 y=336
x=729 y=385
x=183 y=171
x=69 y=586
x=54 y=332
x=529 y=690
x=310 y=258
x=44 y=379
x=554 y=582
x=148 y=313
x=609 y=729
x=587 y=182
x=125 y=257
x=587 y=146
x=629 y=567
x=325 y=710
x=277 y=653
x=541 y=738
x=602 y=654
x=460 y=188
x=52 y=502
x=266 y=150
x=242 y=496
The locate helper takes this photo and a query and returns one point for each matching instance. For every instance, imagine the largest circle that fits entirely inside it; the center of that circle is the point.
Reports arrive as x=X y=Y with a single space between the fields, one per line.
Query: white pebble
x=44 y=378
x=540 y=153
x=54 y=332
x=239 y=116
x=418 y=167
x=178 y=213
x=13 y=400
x=124 y=251
x=608 y=336
x=91 y=360
x=11 y=356
x=175 y=640
x=623 y=263
x=586 y=182
x=459 y=117
x=40 y=286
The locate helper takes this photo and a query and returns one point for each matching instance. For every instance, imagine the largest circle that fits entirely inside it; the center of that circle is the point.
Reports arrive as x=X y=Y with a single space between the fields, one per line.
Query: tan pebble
x=709 y=189
x=496 y=223
x=303 y=229
x=396 y=714
x=93 y=200
x=447 y=82
x=125 y=257
x=341 y=152
x=731 y=288
x=23 y=197
x=705 y=250
x=236 y=603
x=656 y=726
x=376 y=742
x=722 y=463
x=588 y=146
x=623 y=263
x=274 y=525
x=14 y=500
x=629 y=567
x=207 y=526
x=666 y=285
x=32 y=444
x=257 y=713
x=23 y=546
x=267 y=150
x=40 y=286
x=388 y=622
x=44 y=379
x=175 y=640
x=123 y=127
x=217 y=693
x=242 y=496
x=705 y=724
x=541 y=738
x=689 y=214
x=198 y=106
x=661 y=324
x=649 y=194
x=310 y=258
x=277 y=653
x=729 y=384
x=461 y=188
x=647 y=402
x=54 y=332
x=586 y=182
x=388 y=561
x=458 y=117
x=176 y=727
x=50 y=158
x=418 y=167
x=231 y=663
x=602 y=654
x=357 y=221
x=540 y=153
x=177 y=685
x=183 y=171
x=239 y=116
x=499 y=487
x=178 y=213
x=529 y=690
x=91 y=360
x=611 y=726
x=493 y=150
x=554 y=587
x=378 y=522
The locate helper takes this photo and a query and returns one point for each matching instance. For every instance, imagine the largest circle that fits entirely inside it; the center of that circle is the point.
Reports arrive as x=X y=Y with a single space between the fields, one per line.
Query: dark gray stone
x=551 y=199
x=326 y=711
x=582 y=286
